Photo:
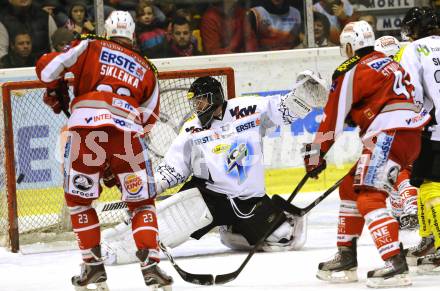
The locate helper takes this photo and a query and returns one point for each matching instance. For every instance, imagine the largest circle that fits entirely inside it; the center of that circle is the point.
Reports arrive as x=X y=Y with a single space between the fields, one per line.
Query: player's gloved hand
x=313 y=160
x=57 y=95
x=108 y=178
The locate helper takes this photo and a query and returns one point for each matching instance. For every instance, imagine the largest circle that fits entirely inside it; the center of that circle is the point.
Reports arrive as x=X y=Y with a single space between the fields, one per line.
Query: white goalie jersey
x=228 y=154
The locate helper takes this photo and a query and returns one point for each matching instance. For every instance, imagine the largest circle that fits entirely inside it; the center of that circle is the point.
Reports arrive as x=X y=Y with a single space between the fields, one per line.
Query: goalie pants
x=251 y=217
x=87 y=152
x=364 y=190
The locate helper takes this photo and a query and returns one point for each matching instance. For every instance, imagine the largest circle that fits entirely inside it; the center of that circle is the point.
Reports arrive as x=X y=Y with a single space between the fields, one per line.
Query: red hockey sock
x=145 y=230
x=350 y=223
x=384 y=230
x=85 y=225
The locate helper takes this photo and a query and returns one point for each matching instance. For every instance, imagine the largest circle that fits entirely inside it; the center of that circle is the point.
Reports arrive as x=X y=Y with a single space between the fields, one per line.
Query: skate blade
x=157 y=287
x=93 y=287
x=346 y=276
x=401 y=280
x=428 y=269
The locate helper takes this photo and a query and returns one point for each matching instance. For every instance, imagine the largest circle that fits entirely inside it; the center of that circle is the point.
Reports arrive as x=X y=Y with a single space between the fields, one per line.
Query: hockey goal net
x=32 y=205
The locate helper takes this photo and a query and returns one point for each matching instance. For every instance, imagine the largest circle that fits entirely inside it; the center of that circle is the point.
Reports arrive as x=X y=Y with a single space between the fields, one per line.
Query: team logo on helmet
x=133 y=184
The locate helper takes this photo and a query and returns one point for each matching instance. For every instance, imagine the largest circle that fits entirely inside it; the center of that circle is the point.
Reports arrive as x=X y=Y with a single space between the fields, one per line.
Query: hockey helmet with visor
x=206 y=95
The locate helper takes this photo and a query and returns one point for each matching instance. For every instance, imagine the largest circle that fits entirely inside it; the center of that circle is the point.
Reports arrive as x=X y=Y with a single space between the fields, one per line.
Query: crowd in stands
x=30 y=28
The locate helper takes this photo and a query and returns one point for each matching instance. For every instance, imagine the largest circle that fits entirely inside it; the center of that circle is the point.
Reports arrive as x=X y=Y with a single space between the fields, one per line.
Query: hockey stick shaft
x=285 y=205
x=200 y=279
x=224 y=278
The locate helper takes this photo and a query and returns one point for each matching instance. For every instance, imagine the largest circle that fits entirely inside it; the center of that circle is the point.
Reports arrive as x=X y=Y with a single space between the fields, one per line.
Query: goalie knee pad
x=233 y=240
x=290 y=235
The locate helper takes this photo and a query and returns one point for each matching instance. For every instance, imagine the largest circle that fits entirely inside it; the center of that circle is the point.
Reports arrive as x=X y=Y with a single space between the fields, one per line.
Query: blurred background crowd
x=175 y=28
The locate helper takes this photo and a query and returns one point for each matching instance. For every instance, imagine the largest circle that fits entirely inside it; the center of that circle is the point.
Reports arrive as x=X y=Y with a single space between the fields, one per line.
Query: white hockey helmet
x=358 y=34
x=120 y=24
x=389 y=45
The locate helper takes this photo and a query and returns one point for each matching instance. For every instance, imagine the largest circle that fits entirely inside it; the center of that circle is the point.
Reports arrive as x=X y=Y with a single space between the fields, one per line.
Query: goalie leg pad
x=181 y=215
x=291 y=235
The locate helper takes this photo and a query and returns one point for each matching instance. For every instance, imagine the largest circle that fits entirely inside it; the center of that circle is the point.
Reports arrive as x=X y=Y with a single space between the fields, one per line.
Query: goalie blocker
x=192 y=213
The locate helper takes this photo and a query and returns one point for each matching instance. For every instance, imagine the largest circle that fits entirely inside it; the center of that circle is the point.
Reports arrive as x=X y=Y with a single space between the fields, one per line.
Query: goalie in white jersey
x=221 y=148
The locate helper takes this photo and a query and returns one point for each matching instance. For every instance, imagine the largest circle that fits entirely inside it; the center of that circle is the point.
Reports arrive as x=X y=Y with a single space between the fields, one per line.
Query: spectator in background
x=55 y=9
x=321 y=30
x=61 y=38
x=221 y=28
x=193 y=22
x=372 y=20
x=180 y=42
x=150 y=36
x=78 y=21
x=4 y=40
x=20 y=52
x=20 y=15
x=275 y=25
x=338 y=12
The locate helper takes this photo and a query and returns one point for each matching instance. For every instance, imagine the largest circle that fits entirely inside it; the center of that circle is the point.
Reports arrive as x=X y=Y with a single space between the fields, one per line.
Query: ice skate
x=423 y=248
x=154 y=277
x=393 y=274
x=342 y=268
x=92 y=275
x=408 y=221
x=429 y=264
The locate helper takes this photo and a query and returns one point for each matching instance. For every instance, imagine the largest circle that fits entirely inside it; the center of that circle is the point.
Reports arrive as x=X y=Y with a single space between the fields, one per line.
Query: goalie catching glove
x=57 y=96
x=309 y=91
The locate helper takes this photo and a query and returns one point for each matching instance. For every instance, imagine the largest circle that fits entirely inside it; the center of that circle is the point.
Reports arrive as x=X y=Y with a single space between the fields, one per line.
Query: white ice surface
x=266 y=271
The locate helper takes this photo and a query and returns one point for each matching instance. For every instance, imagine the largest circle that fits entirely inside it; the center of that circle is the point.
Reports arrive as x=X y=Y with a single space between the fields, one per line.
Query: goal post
x=31 y=195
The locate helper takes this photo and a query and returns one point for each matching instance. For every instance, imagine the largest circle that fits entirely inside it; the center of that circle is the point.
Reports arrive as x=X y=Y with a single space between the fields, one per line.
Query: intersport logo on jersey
x=122 y=61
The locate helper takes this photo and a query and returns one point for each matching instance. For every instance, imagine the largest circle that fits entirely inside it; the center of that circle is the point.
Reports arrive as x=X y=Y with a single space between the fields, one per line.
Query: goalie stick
x=287 y=206
x=200 y=279
x=224 y=278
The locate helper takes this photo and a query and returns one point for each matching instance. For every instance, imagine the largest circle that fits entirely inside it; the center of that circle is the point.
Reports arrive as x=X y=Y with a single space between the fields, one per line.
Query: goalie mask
x=418 y=23
x=206 y=95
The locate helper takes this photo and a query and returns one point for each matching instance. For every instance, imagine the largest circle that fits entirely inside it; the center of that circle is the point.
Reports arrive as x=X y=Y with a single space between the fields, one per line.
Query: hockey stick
x=224 y=278
x=286 y=206
x=200 y=279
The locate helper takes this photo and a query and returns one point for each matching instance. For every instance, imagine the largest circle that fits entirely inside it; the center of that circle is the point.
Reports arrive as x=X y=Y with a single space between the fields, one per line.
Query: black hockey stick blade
x=199 y=279
x=286 y=206
x=225 y=278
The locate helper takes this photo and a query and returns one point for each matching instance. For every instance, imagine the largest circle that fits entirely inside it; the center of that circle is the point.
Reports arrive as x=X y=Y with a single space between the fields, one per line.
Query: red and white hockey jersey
x=373 y=92
x=113 y=85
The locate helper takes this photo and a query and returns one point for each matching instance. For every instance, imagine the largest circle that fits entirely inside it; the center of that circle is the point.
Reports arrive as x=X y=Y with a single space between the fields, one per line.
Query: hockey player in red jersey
x=116 y=102
x=373 y=92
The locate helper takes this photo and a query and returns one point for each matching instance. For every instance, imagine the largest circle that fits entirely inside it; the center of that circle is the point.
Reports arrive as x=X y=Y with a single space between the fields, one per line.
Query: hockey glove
x=313 y=160
x=109 y=178
x=57 y=96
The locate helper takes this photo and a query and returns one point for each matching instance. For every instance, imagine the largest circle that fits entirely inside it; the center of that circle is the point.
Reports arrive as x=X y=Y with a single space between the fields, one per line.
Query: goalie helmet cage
x=31 y=195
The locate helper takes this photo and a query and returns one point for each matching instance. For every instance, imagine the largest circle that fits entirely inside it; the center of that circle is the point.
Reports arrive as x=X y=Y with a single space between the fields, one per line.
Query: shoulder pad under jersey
x=346 y=66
